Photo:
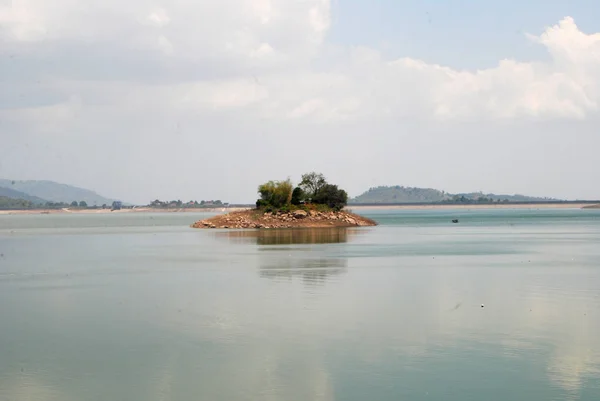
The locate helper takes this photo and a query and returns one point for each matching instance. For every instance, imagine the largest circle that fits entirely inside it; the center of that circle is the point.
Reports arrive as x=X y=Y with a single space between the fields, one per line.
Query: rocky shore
x=293 y=219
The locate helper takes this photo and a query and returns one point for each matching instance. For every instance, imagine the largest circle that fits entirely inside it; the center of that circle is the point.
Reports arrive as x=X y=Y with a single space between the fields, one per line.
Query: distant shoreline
x=349 y=207
x=108 y=211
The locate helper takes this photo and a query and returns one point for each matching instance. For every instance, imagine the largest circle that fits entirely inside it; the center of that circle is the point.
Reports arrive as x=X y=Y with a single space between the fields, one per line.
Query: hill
x=400 y=194
x=13 y=194
x=55 y=192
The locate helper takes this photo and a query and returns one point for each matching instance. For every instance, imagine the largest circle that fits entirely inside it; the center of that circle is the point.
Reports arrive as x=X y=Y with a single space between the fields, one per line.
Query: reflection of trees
x=310 y=263
x=311 y=270
x=290 y=236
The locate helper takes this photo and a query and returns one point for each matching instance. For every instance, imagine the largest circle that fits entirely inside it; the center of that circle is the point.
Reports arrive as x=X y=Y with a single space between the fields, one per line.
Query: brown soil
x=592 y=207
x=299 y=218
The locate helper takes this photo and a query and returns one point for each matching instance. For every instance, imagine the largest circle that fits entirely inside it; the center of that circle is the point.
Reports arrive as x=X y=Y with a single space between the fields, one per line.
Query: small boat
x=455 y=220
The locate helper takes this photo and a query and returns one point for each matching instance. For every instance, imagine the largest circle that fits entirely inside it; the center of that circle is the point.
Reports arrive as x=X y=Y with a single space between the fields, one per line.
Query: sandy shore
x=108 y=211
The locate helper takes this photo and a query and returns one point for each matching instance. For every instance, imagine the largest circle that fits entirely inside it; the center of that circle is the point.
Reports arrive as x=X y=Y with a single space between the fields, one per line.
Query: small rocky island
x=314 y=203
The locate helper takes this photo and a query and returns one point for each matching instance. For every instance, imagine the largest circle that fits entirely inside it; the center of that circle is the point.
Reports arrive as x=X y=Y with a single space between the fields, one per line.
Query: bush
x=298 y=196
x=331 y=196
x=275 y=193
x=260 y=203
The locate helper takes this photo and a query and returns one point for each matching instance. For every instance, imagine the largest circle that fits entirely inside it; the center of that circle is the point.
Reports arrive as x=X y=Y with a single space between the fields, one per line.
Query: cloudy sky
x=198 y=99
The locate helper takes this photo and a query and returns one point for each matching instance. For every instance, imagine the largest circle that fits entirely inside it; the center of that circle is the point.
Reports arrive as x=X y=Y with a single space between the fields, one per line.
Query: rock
x=300 y=214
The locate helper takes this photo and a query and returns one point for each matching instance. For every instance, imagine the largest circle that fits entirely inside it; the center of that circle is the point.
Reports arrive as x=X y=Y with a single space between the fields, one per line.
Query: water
x=142 y=307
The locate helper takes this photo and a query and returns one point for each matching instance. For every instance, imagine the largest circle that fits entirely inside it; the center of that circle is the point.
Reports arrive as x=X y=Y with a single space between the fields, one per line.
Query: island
x=314 y=203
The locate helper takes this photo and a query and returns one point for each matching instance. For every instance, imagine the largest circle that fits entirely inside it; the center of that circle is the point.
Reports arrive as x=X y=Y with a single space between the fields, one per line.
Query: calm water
x=141 y=307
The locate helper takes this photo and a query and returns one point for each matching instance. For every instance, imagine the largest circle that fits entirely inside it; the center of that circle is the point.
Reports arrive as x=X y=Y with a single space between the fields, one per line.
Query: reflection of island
x=291 y=236
x=312 y=264
x=310 y=270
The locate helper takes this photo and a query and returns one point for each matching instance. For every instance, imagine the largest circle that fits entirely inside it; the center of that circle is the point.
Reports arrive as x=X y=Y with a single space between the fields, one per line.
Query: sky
x=194 y=99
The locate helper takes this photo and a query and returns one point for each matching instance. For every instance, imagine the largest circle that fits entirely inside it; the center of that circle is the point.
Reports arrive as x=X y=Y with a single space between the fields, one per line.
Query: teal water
x=142 y=307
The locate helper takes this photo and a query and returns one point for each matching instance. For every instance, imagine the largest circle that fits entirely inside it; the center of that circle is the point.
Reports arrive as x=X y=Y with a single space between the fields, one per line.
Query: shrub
x=275 y=193
x=331 y=196
x=298 y=196
x=260 y=203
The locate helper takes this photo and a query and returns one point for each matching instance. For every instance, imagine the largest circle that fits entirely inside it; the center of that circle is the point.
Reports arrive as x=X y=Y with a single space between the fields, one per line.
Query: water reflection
x=291 y=236
x=311 y=271
x=313 y=265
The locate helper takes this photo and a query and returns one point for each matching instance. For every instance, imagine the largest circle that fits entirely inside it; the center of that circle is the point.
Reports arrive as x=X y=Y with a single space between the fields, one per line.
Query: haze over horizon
x=199 y=100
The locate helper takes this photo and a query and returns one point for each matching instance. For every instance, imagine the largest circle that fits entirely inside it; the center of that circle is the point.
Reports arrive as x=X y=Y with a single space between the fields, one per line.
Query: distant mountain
x=55 y=192
x=399 y=194
x=13 y=194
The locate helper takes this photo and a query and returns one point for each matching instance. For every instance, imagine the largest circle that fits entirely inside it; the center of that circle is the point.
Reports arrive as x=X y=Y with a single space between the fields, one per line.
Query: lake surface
x=142 y=307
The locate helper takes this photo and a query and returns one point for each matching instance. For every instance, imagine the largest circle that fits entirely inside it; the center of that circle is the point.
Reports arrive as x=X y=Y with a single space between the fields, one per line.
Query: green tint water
x=142 y=307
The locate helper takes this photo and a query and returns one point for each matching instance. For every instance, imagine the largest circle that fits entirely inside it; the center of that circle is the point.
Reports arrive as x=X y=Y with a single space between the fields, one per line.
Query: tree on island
x=275 y=194
x=298 y=196
x=331 y=196
x=312 y=190
x=311 y=184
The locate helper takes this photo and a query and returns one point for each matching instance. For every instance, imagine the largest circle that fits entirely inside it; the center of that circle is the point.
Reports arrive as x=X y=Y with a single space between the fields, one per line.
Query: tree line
x=456 y=199
x=313 y=189
x=7 y=203
x=191 y=204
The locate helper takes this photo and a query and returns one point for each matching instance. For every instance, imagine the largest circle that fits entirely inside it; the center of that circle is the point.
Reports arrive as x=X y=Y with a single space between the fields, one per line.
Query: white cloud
x=249 y=68
x=158 y=18
x=319 y=16
x=277 y=40
x=20 y=21
x=165 y=45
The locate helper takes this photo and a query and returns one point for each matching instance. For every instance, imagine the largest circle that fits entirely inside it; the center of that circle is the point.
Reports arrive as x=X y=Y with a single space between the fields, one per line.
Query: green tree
x=275 y=193
x=83 y=204
x=74 y=204
x=331 y=196
x=7 y=203
x=298 y=196
x=311 y=183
